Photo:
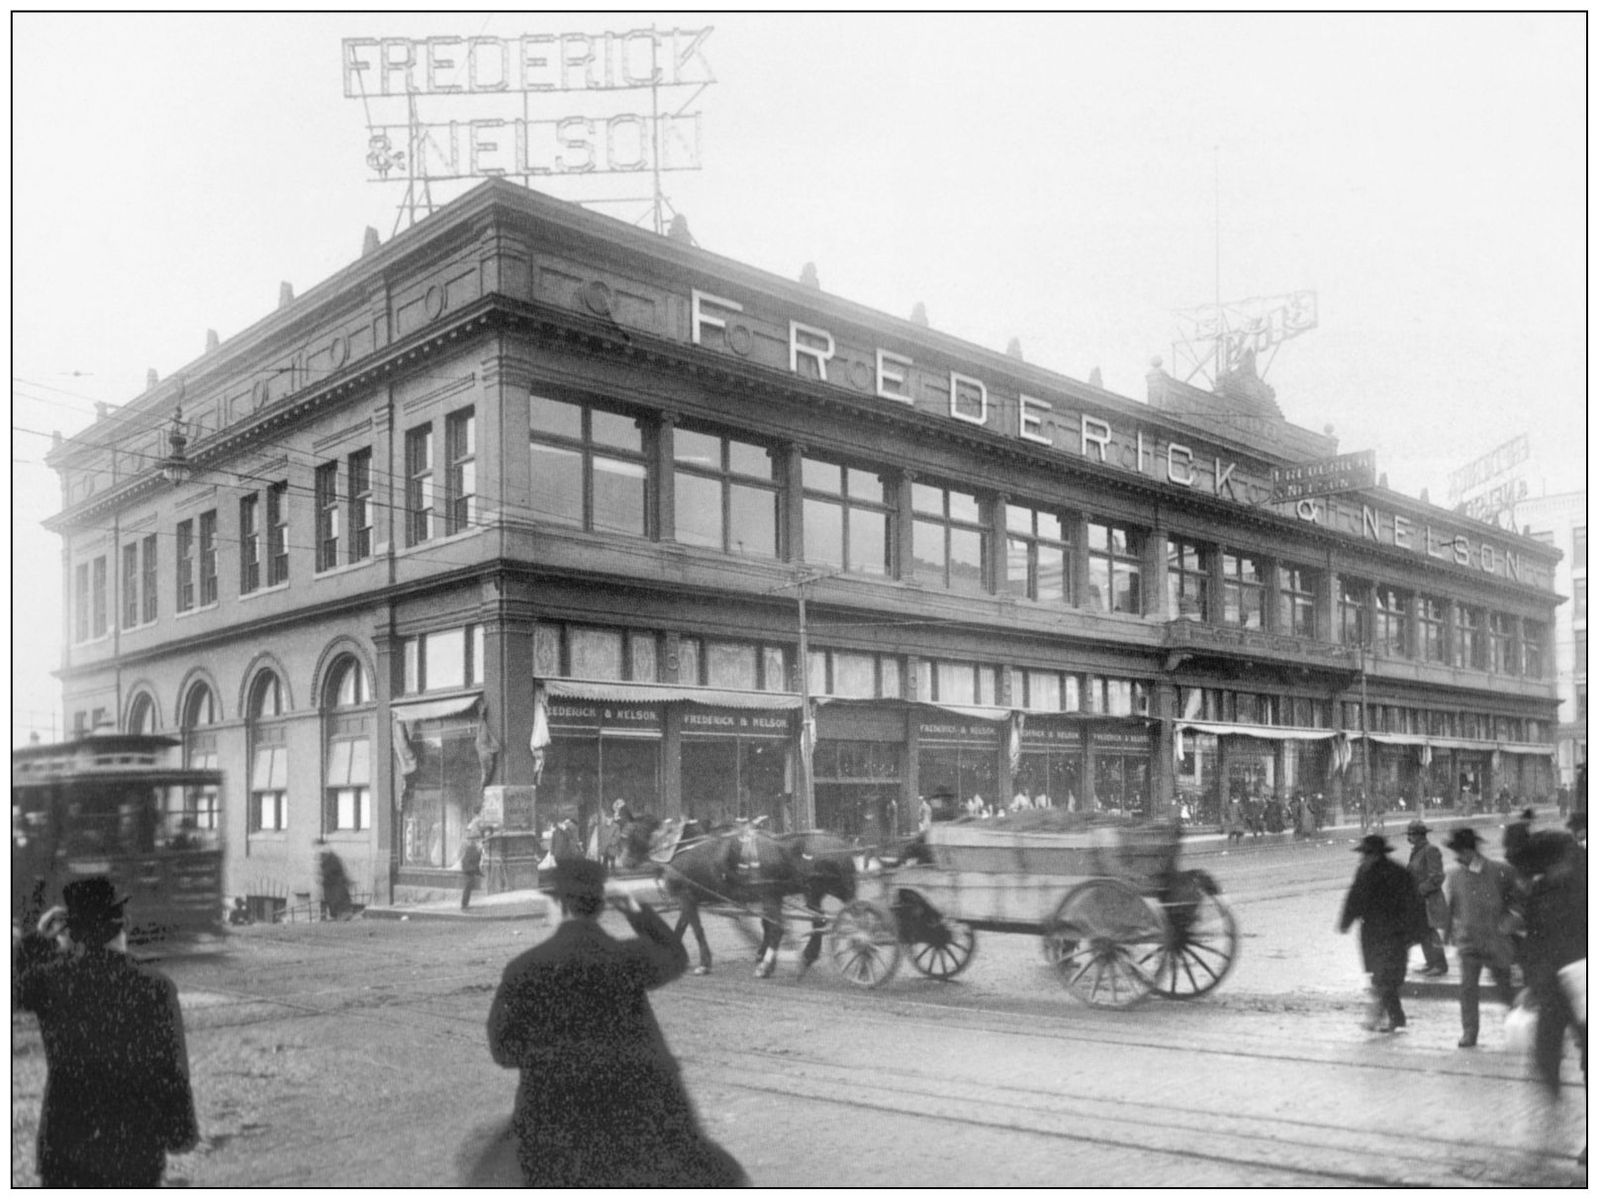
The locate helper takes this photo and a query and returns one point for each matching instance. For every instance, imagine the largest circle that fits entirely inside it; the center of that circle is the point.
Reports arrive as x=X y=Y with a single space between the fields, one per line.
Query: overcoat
x=600 y=1102
x=117 y=1094
x=1429 y=874
x=1384 y=899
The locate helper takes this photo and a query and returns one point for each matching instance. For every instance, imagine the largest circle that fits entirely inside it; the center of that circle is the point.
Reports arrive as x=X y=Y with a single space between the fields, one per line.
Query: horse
x=744 y=865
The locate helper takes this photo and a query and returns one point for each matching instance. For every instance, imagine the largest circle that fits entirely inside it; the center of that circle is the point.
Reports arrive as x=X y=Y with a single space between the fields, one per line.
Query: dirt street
x=347 y=1054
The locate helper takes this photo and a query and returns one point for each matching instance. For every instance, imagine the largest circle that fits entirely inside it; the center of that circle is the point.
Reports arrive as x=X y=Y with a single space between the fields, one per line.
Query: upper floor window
x=1505 y=647
x=588 y=467
x=585 y=652
x=956 y=682
x=277 y=534
x=1045 y=691
x=249 y=543
x=348 y=804
x=449 y=658
x=208 y=557
x=1114 y=558
x=1354 y=611
x=724 y=495
x=130 y=585
x=359 y=485
x=1535 y=649
x=419 y=484
x=950 y=539
x=1298 y=601
x=853 y=673
x=1038 y=554
x=1189 y=567
x=1433 y=641
x=147 y=578
x=98 y=608
x=1579 y=548
x=1117 y=697
x=269 y=763
x=184 y=556
x=326 y=500
x=80 y=607
x=1579 y=601
x=1390 y=621
x=1469 y=640
x=461 y=479
x=845 y=517
x=1245 y=590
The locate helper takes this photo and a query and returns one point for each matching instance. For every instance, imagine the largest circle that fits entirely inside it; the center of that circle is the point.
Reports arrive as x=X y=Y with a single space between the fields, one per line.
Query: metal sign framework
x=1216 y=339
x=600 y=141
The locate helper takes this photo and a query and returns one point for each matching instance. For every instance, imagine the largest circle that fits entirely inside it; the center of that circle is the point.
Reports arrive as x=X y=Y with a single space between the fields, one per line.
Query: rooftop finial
x=1015 y=349
x=920 y=315
x=809 y=277
x=369 y=241
x=286 y=294
x=212 y=341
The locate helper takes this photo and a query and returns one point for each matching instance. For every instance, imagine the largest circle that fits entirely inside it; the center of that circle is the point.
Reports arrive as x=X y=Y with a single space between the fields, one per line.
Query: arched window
x=199 y=711
x=142 y=715
x=348 y=740
x=269 y=756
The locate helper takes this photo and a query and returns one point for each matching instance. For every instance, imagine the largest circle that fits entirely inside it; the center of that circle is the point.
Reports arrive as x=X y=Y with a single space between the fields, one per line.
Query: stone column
x=1164 y=795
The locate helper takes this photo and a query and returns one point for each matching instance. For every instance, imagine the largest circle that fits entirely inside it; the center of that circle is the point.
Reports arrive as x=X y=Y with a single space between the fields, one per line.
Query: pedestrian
x=1429 y=875
x=1383 y=898
x=1234 y=820
x=471 y=860
x=1306 y=818
x=1318 y=811
x=117 y=1099
x=1553 y=869
x=616 y=831
x=1481 y=895
x=600 y=1101
x=566 y=845
x=925 y=815
x=1576 y=826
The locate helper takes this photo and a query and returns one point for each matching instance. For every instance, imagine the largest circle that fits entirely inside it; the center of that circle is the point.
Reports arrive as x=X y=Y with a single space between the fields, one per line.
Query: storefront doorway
x=598 y=754
x=736 y=771
x=960 y=757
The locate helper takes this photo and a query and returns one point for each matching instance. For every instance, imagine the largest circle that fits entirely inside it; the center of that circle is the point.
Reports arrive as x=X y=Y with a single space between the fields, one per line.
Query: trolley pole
x=806 y=812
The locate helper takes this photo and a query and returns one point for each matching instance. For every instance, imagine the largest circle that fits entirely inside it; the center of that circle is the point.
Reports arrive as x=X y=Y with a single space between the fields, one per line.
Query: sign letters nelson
x=1343 y=473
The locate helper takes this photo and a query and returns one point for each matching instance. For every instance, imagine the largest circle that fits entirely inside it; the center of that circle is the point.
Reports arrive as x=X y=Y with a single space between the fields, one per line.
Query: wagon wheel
x=944 y=951
x=863 y=943
x=1097 y=940
x=1201 y=942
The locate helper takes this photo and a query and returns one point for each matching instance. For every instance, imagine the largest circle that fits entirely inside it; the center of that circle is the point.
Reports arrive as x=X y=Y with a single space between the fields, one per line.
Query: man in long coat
x=600 y=1102
x=1384 y=899
x=1428 y=870
x=117 y=1097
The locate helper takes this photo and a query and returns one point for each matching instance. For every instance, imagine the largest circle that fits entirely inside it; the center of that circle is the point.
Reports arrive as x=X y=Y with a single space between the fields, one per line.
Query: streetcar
x=119 y=805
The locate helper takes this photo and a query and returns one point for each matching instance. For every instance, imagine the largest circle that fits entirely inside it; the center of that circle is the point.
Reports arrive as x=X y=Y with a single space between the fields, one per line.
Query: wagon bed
x=1116 y=915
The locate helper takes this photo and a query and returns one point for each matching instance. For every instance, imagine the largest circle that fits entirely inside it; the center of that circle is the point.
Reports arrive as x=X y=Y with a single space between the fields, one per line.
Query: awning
x=1399 y=739
x=1267 y=732
x=434 y=710
x=666 y=693
x=1449 y=743
x=1539 y=749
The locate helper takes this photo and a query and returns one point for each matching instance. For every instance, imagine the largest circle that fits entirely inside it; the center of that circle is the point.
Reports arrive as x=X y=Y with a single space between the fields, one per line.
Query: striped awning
x=667 y=693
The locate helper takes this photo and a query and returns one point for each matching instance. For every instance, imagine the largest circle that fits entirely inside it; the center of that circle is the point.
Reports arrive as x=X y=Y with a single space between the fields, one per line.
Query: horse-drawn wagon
x=1116 y=915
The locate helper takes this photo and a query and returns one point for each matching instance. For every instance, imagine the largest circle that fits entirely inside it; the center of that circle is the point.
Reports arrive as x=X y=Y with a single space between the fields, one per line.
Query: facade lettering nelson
x=813 y=352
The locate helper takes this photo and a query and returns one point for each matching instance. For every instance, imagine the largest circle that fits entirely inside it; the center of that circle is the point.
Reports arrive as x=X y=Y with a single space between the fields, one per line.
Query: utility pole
x=1362 y=722
x=806 y=813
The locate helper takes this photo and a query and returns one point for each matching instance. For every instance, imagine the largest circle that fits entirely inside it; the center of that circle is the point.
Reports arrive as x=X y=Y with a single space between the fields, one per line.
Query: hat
x=1373 y=844
x=92 y=903
x=1463 y=839
x=579 y=879
x=1417 y=827
x=1576 y=820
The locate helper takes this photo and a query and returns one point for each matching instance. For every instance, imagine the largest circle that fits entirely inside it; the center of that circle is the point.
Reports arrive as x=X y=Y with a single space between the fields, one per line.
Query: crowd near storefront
x=528 y=512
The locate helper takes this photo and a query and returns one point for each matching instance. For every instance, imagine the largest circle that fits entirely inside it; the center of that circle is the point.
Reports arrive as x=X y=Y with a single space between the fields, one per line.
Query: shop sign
x=982 y=733
x=734 y=722
x=1120 y=741
x=589 y=716
x=1061 y=735
x=725 y=325
x=1343 y=473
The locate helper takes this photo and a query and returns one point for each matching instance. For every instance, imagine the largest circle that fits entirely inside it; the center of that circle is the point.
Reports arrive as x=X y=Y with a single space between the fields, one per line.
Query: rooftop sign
x=1323 y=477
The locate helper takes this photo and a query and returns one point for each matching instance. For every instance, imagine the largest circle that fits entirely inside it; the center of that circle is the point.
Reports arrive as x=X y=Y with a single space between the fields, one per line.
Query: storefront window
x=736 y=777
x=1051 y=775
x=1038 y=554
x=856 y=788
x=845 y=517
x=950 y=543
x=441 y=795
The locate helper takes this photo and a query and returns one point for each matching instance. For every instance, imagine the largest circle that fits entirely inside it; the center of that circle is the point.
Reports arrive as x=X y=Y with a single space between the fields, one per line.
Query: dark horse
x=743 y=866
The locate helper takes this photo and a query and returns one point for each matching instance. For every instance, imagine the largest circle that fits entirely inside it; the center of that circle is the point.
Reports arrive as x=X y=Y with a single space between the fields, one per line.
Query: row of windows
x=1399 y=624
x=1432 y=722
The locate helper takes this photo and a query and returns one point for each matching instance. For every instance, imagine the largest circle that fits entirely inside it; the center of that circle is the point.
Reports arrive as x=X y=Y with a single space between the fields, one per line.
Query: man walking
x=1383 y=898
x=1429 y=876
x=1479 y=921
x=472 y=861
x=117 y=1098
x=600 y=1102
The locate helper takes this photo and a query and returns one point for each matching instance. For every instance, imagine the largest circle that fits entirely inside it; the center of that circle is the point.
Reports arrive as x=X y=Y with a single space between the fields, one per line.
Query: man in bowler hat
x=1429 y=876
x=117 y=1098
x=1384 y=899
x=1480 y=899
x=600 y=1102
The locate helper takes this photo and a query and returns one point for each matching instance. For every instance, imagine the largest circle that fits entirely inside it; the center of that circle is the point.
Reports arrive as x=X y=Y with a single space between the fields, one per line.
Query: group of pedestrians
x=1527 y=912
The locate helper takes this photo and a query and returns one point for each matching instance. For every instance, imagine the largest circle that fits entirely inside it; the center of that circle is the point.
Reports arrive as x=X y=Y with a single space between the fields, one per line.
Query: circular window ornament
x=434 y=302
x=739 y=339
x=339 y=350
x=596 y=297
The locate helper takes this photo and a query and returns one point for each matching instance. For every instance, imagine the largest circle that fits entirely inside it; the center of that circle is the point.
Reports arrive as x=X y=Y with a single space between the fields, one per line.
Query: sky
x=1070 y=181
